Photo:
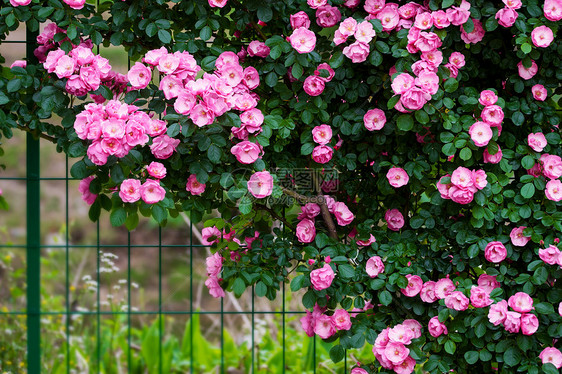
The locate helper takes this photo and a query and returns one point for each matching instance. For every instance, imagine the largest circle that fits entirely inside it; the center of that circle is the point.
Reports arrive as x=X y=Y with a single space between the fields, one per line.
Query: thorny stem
x=325 y=211
x=40 y=134
x=275 y=215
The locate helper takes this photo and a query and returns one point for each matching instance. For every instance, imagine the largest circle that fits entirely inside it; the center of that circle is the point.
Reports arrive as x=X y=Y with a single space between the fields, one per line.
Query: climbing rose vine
x=398 y=163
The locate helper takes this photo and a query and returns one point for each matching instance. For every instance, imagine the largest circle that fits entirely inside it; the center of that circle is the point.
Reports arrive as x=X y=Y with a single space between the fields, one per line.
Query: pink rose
x=156 y=170
x=476 y=35
x=357 y=52
x=537 y=141
x=423 y=21
x=414 y=326
x=457 y=301
x=347 y=27
x=324 y=326
x=542 y=36
x=444 y=287
x=498 y=313
x=19 y=64
x=327 y=16
x=479 y=178
x=492 y=115
x=462 y=177
x=406 y=367
x=552 y=166
x=517 y=237
x=193 y=186
x=512 y=322
x=440 y=19
x=151 y=192
x=415 y=98
x=315 y=4
x=306 y=232
x=527 y=73
x=488 y=97
x=514 y=4
x=396 y=353
x=459 y=15
x=436 y=328
x=479 y=297
x=364 y=32
x=217 y=3
x=506 y=16
x=374 y=266
x=341 y=320
x=84 y=189
x=322 y=134
x=139 y=76
x=310 y=210
x=397 y=177
x=553 y=190
x=260 y=184
x=428 y=41
x=307 y=324
x=461 y=195
x=529 y=324
x=414 y=287
x=480 y=133
x=258 y=49
x=551 y=355
x=16 y=3
x=299 y=19
x=343 y=215
x=322 y=278
x=388 y=15
x=394 y=219
x=328 y=68
x=214 y=264
x=314 y=85
x=303 y=40
x=492 y=159
x=402 y=83
x=322 y=154
x=400 y=334
x=549 y=255
x=374 y=119
x=129 y=190
x=495 y=252
x=357 y=370
x=521 y=302
x=163 y=146
x=212 y=283
x=553 y=11
x=488 y=282
x=210 y=235
x=539 y=92
x=427 y=293
x=75 y=4
x=246 y=152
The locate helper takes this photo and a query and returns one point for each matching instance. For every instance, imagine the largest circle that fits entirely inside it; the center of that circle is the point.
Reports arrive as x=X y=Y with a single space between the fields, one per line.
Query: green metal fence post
x=33 y=241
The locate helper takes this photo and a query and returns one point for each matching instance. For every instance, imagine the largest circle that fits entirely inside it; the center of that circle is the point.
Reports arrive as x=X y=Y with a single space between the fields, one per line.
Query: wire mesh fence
x=100 y=300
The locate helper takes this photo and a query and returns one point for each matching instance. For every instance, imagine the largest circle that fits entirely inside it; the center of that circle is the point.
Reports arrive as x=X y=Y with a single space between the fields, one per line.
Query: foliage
x=451 y=181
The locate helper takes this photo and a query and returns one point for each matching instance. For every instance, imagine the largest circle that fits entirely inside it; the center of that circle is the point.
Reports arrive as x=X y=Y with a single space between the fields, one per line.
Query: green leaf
x=79 y=170
x=238 y=287
x=526 y=48
x=451 y=85
x=164 y=36
x=512 y=356
x=346 y=271
x=214 y=153
x=549 y=368
x=159 y=213
x=447 y=3
x=13 y=85
x=405 y=122
x=544 y=308
x=265 y=14
x=336 y=353
x=206 y=33
x=528 y=190
x=261 y=289
x=271 y=79
x=528 y=162
x=3 y=98
x=245 y=205
x=518 y=118
x=375 y=58
x=296 y=283
x=450 y=347
x=296 y=70
x=307 y=148
x=132 y=221
x=385 y=297
x=465 y=154
x=337 y=60
x=471 y=357
x=118 y=216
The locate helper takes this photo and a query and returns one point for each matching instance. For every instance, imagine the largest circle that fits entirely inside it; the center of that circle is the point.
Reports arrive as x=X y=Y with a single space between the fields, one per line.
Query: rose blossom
x=343 y=215
x=84 y=189
x=436 y=328
x=476 y=35
x=479 y=297
x=400 y=334
x=539 y=92
x=444 y=287
x=492 y=115
x=521 y=302
x=402 y=83
x=551 y=166
x=537 y=141
x=553 y=190
x=492 y=159
x=299 y=19
x=396 y=352
x=193 y=186
x=212 y=283
x=553 y=10
x=415 y=98
x=487 y=98
x=327 y=16
x=414 y=287
x=514 y=4
x=341 y=320
x=427 y=293
x=394 y=219
x=364 y=32
x=461 y=195
x=246 y=152
x=357 y=370
x=397 y=177
x=322 y=154
x=324 y=326
x=357 y=52
x=260 y=184
x=214 y=264
x=303 y=40
x=512 y=322
x=374 y=119
x=495 y=252
x=326 y=67
x=517 y=237
x=258 y=49
x=527 y=73
x=129 y=190
x=498 y=313
x=551 y=355
x=529 y=324
x=488 y=282
x=163 y=146
x=374 y=266
x=481 y=133
x=457 y=301
x=314 y=85
x=139 y=76
x=217 y=3
x=506 y=16
x=322 y=134
x=542 y=36
x=151 y=192
x=306 y=231
x=322 y=278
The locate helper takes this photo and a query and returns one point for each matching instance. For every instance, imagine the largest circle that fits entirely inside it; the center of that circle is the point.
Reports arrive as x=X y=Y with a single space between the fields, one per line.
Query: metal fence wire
x=143 y=334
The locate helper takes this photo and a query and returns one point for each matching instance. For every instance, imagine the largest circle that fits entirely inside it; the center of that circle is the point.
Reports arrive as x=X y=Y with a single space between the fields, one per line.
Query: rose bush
x=411 y=152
